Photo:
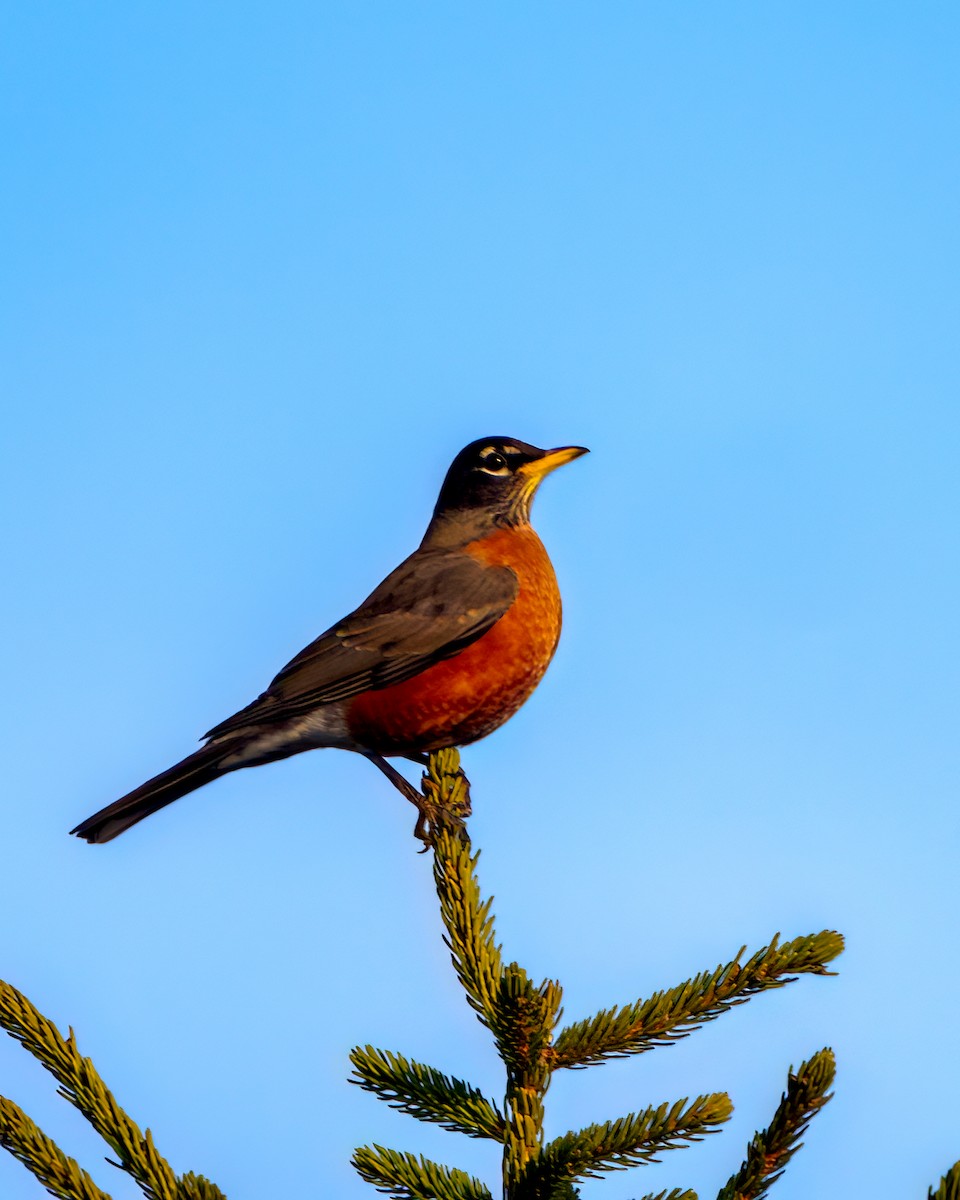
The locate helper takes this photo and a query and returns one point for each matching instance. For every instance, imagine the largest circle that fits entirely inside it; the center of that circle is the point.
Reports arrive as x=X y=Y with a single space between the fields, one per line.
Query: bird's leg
x=419 y=758
x=409 y=792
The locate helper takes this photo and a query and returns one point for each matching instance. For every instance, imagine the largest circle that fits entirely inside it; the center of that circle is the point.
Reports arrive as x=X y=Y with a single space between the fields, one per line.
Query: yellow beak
x=540 y=467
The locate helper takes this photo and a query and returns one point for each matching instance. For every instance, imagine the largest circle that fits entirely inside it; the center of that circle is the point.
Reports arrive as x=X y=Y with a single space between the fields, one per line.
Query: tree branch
x=426 y=1093
x=772 y=1148
x=949 y=1188
x=670 y=1015
x=59 y=1174
x=407 y=1177
x=631 y=1140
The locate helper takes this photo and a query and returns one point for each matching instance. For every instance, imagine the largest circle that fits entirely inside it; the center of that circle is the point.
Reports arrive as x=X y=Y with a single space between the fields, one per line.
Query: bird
x=440 y=654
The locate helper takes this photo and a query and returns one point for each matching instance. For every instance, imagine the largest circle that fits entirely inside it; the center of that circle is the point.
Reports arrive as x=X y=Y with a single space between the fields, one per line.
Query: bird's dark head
x=492 y=482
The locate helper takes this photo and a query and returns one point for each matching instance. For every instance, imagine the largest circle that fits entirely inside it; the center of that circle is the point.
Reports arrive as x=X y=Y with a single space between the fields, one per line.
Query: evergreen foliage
x=61 y=1176
x=949 y=1188
x=523 y=1018
x=83 y=1087
x=668 y=1016
x=410 y=1178
x=428 y=1094
x=772 y=1148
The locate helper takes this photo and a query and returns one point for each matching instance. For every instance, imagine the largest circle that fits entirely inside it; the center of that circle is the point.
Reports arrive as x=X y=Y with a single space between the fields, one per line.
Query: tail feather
x=193 y=772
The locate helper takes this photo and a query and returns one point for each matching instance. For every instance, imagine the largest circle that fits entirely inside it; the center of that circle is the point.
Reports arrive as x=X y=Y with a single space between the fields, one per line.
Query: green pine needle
x=81 y=1084
x=469 y=925
x=409 y=1177
x=949 y=1188
x=426 y=1093
x=83 y=1087
x=629 y=1141
x=525 y=1017
x=670 y=1015
x=566 y=1191
x=197 y=1187
x=446 y=789
x=772 y=1148
x=60 y=1175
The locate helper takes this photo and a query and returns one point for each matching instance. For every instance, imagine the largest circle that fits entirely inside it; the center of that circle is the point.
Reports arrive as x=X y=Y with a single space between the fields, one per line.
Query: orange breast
x=468 y=696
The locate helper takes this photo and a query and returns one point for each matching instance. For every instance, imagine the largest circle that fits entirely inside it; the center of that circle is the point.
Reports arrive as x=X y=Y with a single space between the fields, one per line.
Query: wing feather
x=431 y=607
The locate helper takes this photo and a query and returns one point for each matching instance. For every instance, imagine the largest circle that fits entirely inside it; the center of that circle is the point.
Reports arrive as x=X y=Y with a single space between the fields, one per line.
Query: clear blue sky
x=265 y=269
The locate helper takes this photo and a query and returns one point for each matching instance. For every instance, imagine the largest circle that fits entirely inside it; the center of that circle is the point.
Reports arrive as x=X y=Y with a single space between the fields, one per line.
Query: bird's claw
x=445 y=797
x=423 y=830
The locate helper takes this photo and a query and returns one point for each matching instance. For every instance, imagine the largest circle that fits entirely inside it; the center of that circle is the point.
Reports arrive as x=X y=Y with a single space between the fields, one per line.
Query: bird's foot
x=426 y=810
x=426 y=823
x=446 y=794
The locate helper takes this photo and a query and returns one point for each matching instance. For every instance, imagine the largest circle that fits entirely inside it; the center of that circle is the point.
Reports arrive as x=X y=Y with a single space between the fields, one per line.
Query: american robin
x=444 y=651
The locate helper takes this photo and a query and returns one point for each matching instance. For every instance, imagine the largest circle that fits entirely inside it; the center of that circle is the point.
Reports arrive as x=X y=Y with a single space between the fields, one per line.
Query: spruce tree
x=523 y=1019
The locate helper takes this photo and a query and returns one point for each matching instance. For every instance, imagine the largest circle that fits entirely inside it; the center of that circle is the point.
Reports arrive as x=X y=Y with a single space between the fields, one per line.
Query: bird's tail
x=193 y=772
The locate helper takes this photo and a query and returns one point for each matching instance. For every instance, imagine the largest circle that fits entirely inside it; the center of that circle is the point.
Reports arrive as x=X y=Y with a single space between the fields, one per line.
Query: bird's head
x=492 y=482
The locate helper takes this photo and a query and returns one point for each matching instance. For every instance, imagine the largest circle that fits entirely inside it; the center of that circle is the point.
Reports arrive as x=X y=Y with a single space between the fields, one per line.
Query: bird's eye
x=492 y=462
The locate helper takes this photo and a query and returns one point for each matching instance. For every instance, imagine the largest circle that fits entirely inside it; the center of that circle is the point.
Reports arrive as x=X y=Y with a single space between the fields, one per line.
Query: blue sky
x=265 y=272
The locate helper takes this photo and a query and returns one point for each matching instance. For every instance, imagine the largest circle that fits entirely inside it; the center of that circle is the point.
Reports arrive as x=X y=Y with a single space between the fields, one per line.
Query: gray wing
x=431 y=607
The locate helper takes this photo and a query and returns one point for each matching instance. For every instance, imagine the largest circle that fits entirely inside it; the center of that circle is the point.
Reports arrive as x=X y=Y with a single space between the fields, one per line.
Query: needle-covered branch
x=523 y=1016
x=426 y=1093
x=526 y=1017
x=466 y=918
x=772 y=1148
x=949 y=1188
x=83 y=1087
x=409 y=1177
x=670 y=1015
x=638 y=1138
x=59 y=1174
x=197 y=1187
